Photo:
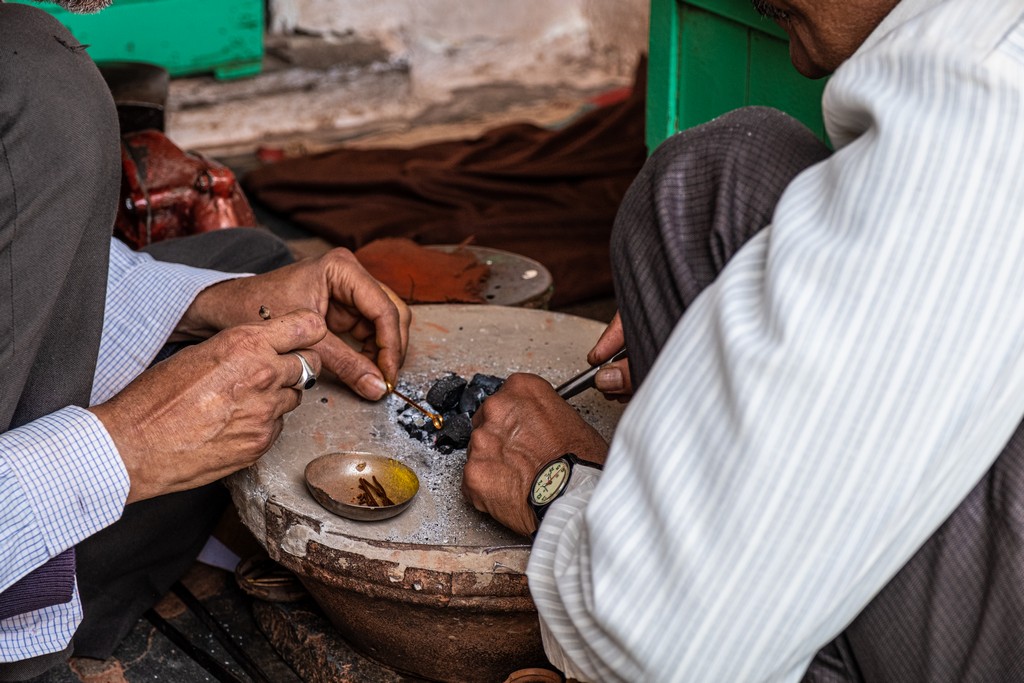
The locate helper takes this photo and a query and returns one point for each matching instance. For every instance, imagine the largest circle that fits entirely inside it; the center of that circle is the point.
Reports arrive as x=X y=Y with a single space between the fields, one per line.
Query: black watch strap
x=577 y=460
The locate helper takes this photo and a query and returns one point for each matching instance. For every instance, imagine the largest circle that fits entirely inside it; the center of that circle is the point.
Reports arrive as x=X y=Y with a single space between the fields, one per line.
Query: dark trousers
x=955 y=612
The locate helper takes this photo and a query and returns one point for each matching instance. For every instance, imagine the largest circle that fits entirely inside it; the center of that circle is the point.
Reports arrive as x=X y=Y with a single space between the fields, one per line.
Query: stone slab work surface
x=439 y=591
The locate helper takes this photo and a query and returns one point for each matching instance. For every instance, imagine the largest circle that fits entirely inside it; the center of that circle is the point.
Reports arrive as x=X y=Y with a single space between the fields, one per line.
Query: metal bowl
x=338 y=481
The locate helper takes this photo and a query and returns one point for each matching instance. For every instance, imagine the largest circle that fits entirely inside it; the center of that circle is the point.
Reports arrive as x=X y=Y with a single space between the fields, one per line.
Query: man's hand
x=515 y=432
x=613 y=380
x=338 y=288
x=212 y=408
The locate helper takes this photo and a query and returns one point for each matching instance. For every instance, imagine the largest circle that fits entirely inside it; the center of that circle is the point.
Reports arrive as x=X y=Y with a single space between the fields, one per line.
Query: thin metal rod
x=201 y=657
x=223 y=637
x=434 y=417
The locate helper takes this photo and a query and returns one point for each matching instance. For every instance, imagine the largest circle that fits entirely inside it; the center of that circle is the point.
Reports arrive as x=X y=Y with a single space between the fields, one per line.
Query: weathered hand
x=515 y=432
x=337 y=287
x=612 y=380
x=212 y=408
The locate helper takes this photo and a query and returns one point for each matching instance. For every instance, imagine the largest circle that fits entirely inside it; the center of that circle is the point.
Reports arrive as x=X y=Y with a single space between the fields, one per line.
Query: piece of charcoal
x=479 y=388
x=446 y=392
x=490 y=383
x=455 y=433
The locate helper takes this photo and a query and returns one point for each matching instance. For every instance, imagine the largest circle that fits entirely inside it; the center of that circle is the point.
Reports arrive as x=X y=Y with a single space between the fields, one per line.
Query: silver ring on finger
x=308 y=378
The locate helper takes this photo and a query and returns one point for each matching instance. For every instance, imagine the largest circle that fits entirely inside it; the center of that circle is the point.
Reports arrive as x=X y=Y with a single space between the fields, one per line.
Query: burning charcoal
x=446 y=392
x=455 y=433
x=455 y=401
x=479 y=388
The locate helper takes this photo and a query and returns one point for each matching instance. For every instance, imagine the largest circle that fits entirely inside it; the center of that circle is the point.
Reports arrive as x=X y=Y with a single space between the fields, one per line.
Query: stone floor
x=145 y=654
x=148 y=655
x=316 y=90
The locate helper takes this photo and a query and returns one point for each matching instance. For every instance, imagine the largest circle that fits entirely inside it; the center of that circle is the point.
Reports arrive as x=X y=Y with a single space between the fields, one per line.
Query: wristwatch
x=552 y=481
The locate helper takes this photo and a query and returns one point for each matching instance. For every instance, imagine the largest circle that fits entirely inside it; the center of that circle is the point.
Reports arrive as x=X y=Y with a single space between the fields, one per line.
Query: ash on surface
x=455 y=400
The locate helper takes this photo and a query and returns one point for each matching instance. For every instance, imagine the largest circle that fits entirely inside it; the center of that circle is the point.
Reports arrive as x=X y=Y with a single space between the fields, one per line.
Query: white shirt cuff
x=541 y=570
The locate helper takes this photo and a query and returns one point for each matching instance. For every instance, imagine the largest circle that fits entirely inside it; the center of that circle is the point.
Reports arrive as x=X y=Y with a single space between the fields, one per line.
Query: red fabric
x=549 y=195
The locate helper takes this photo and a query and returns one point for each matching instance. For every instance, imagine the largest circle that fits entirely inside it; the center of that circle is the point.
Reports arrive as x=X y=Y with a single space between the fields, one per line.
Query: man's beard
x=768 y=10
x=83 y=6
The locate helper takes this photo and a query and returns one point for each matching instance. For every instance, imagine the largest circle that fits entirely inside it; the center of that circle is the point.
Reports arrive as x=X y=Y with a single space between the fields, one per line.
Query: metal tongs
x=585 y=380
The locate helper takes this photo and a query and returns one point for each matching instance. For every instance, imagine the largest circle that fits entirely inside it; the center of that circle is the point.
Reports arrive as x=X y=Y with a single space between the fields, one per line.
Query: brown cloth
x=550 y=195
x=425 y=276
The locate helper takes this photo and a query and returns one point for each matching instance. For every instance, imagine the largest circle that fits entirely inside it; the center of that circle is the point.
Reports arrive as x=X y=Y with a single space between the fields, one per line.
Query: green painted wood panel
x=183 y=36
x=708 y=57
x=663 y=72
x=774 y=82
x=713 y=66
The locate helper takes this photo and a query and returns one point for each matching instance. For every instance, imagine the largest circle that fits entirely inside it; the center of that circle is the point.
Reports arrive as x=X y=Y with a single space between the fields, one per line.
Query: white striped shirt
x=827 y=403
x=61 y=478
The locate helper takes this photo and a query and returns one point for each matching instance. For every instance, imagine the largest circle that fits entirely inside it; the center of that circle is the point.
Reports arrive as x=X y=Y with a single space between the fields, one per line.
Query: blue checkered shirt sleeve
x=62 y=480
x=61 y=477
x=145 y=300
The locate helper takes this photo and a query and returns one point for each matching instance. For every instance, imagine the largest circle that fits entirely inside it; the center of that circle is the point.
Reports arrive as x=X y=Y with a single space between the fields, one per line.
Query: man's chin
x=803 y=61
x=83 y=6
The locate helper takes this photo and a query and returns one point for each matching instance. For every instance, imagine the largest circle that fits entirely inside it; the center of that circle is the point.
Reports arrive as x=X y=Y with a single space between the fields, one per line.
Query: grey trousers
x=59 y=178
x=955 y=612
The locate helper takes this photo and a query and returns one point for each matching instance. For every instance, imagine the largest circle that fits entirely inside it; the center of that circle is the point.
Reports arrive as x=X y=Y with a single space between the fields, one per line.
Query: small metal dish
x=345 y=483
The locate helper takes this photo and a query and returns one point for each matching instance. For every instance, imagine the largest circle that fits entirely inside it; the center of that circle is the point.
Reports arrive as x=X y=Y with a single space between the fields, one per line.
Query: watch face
x=549 y=482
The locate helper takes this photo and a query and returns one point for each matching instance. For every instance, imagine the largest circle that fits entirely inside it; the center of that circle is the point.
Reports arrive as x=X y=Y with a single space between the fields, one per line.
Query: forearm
x=222 y=305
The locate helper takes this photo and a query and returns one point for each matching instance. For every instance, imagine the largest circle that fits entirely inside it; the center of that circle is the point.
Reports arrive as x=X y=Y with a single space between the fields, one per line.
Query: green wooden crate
x=183 y=36
x=708 y=57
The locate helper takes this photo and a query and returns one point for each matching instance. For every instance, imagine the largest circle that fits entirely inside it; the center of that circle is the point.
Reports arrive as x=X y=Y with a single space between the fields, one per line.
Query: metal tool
x=585 y=380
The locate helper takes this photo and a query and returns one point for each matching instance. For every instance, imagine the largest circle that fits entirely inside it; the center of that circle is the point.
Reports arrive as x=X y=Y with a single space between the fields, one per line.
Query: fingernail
x=371 y=386
x=609 y=379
